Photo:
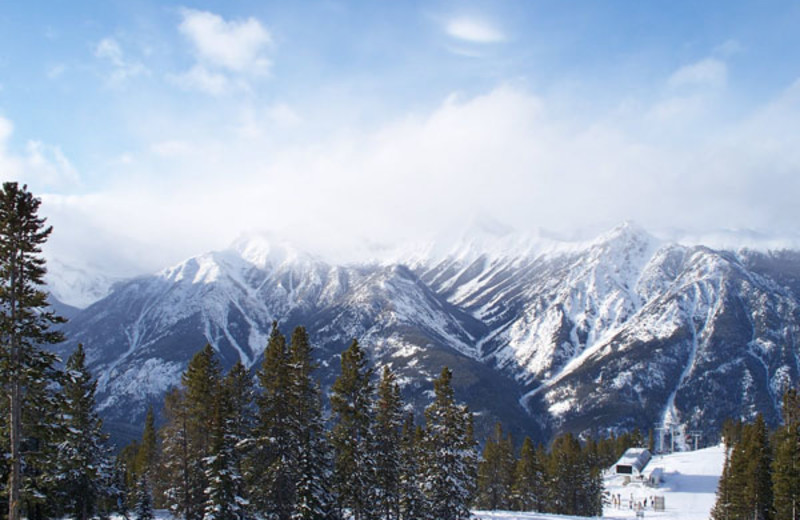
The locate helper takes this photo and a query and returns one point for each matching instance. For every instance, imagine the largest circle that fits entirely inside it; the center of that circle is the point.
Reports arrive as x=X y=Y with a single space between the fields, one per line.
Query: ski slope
x=689 y=489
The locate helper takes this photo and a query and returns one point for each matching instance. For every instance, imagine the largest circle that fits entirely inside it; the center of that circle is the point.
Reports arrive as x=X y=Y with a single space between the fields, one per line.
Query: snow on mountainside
x=621 y=331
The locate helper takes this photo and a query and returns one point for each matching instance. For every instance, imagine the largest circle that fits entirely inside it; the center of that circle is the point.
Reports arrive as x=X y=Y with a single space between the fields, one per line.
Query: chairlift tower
x=696 y=435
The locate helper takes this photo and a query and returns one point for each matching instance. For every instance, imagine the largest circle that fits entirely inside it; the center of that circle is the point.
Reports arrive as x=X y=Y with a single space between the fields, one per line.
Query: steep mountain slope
x=140 y=338
x=618 y=332
x=629 y=332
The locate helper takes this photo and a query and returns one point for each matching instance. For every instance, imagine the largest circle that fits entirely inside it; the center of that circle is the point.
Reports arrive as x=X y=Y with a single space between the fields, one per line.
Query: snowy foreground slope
x=689 y=489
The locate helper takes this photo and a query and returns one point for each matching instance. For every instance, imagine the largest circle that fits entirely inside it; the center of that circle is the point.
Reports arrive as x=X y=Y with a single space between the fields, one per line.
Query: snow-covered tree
x=84 y=468
x=143 y=505
x=25 y=322
x=313 y=499
x=225 y=488
x=412 y=499
x=352 y=436
x=450 y=457
x=388 y=446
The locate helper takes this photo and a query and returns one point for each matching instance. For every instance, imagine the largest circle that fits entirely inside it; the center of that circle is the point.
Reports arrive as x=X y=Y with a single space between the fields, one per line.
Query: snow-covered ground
x=689 y=489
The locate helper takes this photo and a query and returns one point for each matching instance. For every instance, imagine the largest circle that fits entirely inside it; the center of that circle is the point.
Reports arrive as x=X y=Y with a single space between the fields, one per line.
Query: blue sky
x=157 y=130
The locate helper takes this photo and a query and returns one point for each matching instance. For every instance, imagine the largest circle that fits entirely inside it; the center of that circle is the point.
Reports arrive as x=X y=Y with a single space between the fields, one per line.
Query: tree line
x=565 y=479
x=231 y=449
x=761 y=476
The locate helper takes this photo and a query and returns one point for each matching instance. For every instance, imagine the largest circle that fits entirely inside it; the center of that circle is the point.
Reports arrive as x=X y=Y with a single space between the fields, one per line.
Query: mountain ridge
x=621 y=331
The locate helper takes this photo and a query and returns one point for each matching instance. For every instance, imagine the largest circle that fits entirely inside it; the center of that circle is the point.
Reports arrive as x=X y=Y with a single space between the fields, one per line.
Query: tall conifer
x=352 y=434
x=313 y=500
x=84 y=460
x=25 y=320
x=269 y=465
x=388 y=445
x=526 y=491
x=448 y=467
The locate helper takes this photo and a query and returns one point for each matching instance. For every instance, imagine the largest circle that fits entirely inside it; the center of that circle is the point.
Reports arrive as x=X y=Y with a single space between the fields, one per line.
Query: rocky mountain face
x=620 y=332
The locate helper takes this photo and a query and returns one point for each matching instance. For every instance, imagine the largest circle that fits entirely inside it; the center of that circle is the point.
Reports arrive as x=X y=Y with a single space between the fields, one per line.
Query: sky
x=155 y=130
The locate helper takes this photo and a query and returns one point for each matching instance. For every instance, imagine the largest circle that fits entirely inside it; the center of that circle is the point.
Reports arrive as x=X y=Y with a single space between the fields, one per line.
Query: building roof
x=637 y=458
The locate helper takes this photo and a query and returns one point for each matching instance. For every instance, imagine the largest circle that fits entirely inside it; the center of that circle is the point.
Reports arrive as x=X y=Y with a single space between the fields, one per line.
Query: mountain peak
x=263 y=249
x=628 y=232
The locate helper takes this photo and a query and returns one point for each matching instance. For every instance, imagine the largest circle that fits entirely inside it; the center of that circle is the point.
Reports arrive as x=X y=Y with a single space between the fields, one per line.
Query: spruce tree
x=575 y=486
x=313 y=500
x=745 y=490
x=723 y=505
x=448 y=466
x=84 y=461
x=526 y=491
x=25 y=320
x=352 y=434
x=412 y=500
x=224 y=491
x=496 y=472
x=201 y=382
x=388 y=442
x=758 y=487
x=146 y=454
x=181 y=471
x=269 y=466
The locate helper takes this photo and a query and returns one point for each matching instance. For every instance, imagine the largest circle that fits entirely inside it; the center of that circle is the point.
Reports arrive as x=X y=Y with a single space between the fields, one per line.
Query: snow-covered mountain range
x=621 y=331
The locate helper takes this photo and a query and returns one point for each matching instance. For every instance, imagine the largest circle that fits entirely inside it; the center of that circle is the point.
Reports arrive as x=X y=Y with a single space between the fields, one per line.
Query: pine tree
x=562 y=474
x=526 y=491
x=187 y=435
x=24 y=319
x=388 y=431
x=574 y=486
x=269 y=466
x=224 y=491
x=352 y=434
x=313 y=500
x=146 y=454
x=723 y=505
x=758 y=487
x=450 y=456
x=786 y=464
x=201 y=382
x=496 y=472
x=745 y=490
x=42 y=432
x=176 y=462
x=412 y=500
x=84 y=460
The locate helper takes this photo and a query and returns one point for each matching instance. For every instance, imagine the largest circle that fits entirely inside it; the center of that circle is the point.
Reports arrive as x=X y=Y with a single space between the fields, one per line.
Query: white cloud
x=122 y=69
x=709 y=72
x=237 y=45
x=202 y=79
x=40 y=165
x=473 y=30
x=509 y=153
